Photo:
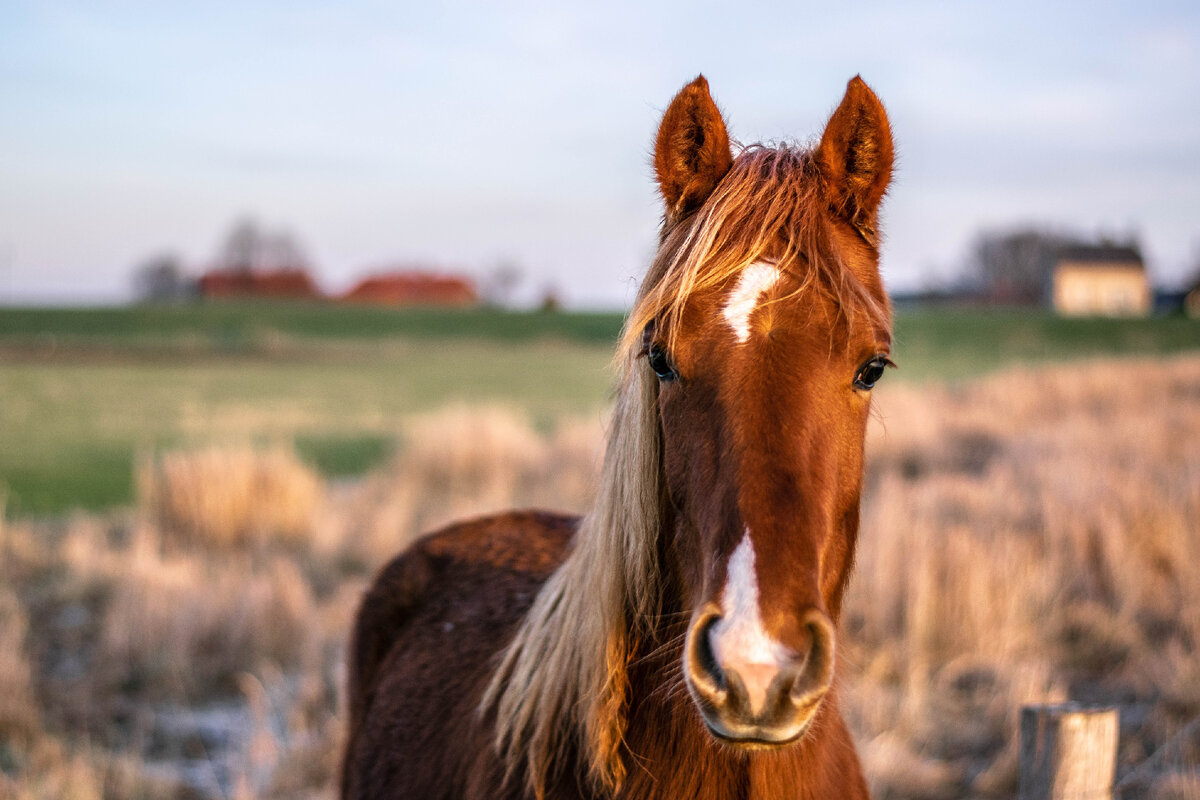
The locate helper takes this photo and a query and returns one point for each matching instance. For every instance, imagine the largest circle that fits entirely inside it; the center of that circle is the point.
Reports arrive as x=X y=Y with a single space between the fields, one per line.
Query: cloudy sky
x=473 y=135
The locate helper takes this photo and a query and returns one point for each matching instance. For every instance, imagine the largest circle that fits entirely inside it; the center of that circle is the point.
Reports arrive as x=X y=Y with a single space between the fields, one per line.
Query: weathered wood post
x=1068 y=751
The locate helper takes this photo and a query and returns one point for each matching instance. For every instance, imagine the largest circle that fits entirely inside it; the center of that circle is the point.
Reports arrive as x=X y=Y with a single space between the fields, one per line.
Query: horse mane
x=562 y=684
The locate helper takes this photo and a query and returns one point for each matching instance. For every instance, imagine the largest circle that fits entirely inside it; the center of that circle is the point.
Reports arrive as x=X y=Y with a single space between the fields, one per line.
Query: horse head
x=766 y=326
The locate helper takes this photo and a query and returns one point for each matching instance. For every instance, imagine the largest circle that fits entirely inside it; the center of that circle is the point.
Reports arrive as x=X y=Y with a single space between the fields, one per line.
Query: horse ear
x=691 y=154
x=855 y=157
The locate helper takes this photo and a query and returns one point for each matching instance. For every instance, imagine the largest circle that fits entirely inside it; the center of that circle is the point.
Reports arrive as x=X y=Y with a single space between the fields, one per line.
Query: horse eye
x=870 y=373
x=660 y=362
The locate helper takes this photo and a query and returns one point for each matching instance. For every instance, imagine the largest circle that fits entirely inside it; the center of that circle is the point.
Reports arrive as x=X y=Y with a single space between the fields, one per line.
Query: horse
x=680 y=639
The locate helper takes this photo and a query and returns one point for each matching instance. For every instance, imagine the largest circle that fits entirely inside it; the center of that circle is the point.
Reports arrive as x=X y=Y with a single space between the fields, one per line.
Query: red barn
x=278 y=284
x=414 y=288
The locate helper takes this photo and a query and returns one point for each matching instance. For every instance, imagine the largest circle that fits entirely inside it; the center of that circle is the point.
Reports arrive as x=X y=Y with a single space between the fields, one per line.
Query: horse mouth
x=754 y=738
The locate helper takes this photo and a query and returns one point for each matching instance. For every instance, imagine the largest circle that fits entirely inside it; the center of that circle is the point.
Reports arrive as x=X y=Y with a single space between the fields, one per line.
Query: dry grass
x=193 y=647
x=457 y=463
x=1032 y=536
x=231 y=495
x=18 y=713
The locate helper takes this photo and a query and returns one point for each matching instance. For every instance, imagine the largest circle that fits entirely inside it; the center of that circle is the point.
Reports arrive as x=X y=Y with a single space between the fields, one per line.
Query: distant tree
x=551 y=301
x=1192 y=279
x=1014 y=266
x=282 y=251
x=163 y=279
x=248 y=248
x=501 y=284
x=240 y=253
x=1191 y=288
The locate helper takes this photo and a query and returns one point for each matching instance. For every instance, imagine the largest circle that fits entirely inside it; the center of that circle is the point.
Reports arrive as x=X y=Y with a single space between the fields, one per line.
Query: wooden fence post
x=1068 y=751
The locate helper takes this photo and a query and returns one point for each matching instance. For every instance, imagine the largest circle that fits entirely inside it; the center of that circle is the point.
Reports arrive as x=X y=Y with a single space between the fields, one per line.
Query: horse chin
x=752 y=738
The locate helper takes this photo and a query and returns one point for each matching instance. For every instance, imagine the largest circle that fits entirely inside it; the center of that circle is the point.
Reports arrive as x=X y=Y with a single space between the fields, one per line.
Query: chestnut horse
x=680 y=640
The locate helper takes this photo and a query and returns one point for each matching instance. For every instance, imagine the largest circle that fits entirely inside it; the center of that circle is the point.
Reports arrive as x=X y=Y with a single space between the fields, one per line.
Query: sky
x=474 y=135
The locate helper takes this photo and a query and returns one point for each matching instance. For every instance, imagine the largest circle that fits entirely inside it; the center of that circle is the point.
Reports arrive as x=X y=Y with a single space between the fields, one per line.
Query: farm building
x=414 y=288
x=279 y=284
x=1103 y=281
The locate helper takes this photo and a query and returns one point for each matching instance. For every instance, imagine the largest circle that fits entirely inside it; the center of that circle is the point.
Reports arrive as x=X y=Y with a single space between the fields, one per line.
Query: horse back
x=425 y=640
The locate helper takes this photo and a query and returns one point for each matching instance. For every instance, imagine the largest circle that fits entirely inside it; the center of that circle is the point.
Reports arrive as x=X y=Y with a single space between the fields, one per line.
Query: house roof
x=413 y=287
x=290 y=283
x=1104 y=254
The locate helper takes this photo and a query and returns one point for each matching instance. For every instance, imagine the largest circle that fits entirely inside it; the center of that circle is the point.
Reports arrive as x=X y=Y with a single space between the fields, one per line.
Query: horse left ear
x=691 y=153
x=855 y=157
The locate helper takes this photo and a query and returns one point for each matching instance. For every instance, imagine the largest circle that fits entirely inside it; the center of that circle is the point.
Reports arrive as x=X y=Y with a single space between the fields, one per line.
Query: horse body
x=680 y=639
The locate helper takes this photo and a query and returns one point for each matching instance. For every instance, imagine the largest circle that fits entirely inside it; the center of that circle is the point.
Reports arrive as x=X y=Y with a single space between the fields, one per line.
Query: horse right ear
x=691 y=154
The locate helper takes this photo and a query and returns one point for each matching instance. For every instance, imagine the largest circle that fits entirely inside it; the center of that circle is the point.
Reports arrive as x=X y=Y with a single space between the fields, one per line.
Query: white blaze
x=739 y=640
x=754 y=280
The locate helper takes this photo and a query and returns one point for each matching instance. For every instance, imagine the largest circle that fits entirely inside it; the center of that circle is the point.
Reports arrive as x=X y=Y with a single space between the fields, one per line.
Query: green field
x=959 y=344
x=83 y=391
x=251 y=326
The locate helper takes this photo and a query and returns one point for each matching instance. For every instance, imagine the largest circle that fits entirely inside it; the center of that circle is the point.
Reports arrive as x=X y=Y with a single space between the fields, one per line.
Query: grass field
x=248 y=326
x=1028 y=536
x=84 y=392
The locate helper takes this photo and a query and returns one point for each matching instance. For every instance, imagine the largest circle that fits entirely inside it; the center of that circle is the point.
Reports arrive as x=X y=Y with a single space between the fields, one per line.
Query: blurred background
x=514 y=135
x=284 y=285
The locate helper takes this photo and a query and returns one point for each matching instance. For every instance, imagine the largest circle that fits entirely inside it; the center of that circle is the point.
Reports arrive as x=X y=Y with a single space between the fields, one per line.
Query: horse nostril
x=702 y=664
x=706 y=659
x=814 y=673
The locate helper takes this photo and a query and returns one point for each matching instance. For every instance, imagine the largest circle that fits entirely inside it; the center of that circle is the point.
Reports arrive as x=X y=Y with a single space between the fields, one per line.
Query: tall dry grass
x=226 y=496
x=461 y=462
x=1031 y=536
x=1034 y=536
x=193 y=647
x=19 y=717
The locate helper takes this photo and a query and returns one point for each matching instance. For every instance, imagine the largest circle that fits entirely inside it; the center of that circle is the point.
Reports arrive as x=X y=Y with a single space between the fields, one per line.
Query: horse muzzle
x=752 y=691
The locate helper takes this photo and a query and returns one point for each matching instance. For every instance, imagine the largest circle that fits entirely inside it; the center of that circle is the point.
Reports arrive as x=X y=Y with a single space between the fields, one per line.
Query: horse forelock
x=562 y=683
x=770 y=206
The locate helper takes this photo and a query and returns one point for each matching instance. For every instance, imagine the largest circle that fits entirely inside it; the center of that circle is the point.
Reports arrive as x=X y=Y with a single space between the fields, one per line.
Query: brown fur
x=856 y=159
x=691 y=153
x=531 y=655
x=451 y=600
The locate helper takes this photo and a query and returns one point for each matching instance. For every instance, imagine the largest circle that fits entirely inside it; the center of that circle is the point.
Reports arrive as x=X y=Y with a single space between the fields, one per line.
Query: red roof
x=292 y=284
x=414 y=288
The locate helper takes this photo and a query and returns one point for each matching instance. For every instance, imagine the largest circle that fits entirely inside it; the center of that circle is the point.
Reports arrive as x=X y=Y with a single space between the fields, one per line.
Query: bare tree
x=242 y=249
x=501 y=283
x=249 y=248
x=163 y=279
x=1014 y=266
x=551 y=299
x=1191 y=279
x=282 y=251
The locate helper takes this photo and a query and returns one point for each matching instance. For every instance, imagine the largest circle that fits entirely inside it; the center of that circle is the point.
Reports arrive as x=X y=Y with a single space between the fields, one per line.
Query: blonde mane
x=563 y=681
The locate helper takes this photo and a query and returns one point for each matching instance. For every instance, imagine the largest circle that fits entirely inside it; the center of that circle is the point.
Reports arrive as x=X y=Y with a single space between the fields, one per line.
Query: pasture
x=1029 y=532
x=85 y=393
x=1030 y=535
